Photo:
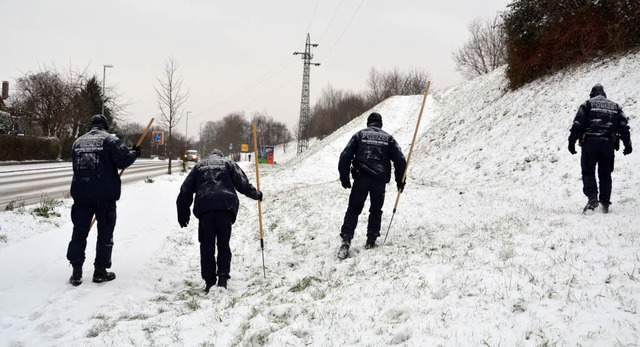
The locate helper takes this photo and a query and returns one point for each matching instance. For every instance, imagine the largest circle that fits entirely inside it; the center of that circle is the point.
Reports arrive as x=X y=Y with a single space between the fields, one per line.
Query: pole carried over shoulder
x=404 y=175
x=255 y=155
x=144 y=133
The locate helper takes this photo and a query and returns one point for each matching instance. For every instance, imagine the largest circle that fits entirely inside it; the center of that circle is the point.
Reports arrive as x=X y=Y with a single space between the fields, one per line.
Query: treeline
x=544 y=36
x=336 y=108
x=60 y=104
x=235 y=129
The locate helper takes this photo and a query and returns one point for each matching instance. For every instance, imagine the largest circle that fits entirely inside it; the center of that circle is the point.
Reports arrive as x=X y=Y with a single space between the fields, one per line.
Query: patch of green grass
x=160 y=298
x=101 y=327
x=303 y=284
x=47 y=207
x=138 y=316
x=193 y=304
x=14 y=204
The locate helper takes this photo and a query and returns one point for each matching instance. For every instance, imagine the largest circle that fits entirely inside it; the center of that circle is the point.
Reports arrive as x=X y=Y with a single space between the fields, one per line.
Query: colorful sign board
x=265 y=154
x=157 y=137
x=244 y=147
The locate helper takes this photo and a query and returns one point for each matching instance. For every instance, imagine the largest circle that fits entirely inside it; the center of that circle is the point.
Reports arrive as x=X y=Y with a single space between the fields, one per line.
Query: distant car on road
x=191 y=155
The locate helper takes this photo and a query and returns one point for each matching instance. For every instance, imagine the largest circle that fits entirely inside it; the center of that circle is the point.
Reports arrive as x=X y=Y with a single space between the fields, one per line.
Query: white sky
x=235 y=55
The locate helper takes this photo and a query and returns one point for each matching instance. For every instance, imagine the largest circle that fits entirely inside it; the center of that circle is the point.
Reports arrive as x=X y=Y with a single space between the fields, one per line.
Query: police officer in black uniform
x=368 y=155
x=599 y=125
x=95 y=188
x=214 y=181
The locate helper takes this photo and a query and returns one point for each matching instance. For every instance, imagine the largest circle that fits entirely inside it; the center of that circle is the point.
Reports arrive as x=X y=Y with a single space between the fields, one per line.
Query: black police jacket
x=600 y=117
x=97 y=156
x=373 y=150
x=214 y=181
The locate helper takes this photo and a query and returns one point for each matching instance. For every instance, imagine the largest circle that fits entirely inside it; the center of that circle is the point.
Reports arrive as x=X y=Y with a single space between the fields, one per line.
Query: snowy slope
x=487 y=247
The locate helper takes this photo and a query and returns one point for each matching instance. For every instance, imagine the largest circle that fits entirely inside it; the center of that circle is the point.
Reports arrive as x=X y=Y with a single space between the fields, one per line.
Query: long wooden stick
x=93 y=221
x=404 y=175
x=255 y=154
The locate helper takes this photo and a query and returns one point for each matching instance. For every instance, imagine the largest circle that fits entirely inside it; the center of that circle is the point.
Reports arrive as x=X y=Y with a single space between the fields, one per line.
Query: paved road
x=28 y=182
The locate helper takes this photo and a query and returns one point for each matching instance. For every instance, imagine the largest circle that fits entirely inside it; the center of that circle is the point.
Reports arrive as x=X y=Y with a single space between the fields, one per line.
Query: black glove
x=572 y=147
x=259 y=196
x=401 y=185
x=183 y=217
x=346 y=184
x=627 y=149
x=183 y=221
x=137 y=150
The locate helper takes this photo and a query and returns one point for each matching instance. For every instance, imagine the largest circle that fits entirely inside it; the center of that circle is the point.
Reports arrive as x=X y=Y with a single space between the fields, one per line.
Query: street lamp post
x=104 y=75
x=186 y=130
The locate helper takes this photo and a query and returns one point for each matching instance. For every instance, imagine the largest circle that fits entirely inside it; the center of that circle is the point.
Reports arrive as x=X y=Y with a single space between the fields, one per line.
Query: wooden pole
x=404 y=175
x=255 y=155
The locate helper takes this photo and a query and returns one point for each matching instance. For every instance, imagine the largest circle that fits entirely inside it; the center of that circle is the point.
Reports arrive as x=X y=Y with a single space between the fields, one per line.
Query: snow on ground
x=487 y=247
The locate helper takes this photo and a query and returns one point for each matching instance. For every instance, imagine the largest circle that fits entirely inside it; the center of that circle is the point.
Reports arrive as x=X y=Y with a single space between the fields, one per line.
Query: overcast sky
x=235 y=55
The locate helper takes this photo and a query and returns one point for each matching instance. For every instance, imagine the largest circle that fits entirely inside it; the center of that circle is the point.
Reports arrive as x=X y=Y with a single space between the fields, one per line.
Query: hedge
x=22 y=148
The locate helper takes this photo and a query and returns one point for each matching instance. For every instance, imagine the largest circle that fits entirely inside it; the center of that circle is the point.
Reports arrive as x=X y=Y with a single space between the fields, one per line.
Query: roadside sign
x=157 y=137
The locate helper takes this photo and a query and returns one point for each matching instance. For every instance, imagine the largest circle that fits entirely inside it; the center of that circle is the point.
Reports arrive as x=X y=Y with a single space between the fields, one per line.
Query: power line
x=331 y=21
x=313 y=15
x=343 y=31
x=260 y=80
x=265 y=77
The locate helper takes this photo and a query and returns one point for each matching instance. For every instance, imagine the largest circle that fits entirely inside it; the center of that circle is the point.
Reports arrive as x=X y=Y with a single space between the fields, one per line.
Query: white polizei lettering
x=603 y=110
x=375 y=142
x=375 y=136
x=603 y=105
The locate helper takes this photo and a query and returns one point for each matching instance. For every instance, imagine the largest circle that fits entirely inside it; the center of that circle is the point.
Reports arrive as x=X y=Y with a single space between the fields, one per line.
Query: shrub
x=545 y=36
x=28 y=148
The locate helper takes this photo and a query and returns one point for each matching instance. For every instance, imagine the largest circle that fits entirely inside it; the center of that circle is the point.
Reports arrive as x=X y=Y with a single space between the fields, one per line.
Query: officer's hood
x=374 y=120
x=217 y=153
x=598 y=89
x=100 y=121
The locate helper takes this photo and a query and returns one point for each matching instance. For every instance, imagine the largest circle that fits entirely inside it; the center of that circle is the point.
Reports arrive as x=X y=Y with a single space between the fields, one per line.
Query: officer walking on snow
x=214 y=181
x=369 y=153
x=95 y=188
x=599 y=125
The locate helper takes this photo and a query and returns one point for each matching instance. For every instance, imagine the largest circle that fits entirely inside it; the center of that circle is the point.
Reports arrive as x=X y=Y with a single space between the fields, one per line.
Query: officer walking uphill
x=214 y=181
x=599 y=125
x=95 y=188
x=369 y=154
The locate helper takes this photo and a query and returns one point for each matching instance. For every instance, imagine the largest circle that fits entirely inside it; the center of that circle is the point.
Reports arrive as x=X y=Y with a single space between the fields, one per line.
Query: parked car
x=191 y=155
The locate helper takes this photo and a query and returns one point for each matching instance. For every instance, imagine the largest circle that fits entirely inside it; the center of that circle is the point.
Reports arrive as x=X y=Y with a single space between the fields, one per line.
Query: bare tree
x=385 y=84
x=170 y=98
x=485 y=50
x=48 y=99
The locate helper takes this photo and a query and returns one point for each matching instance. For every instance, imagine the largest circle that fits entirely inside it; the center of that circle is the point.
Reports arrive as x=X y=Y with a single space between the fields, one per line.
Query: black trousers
x=363 y=186
x=597 y=152
x=82 y=213
x=215 y=228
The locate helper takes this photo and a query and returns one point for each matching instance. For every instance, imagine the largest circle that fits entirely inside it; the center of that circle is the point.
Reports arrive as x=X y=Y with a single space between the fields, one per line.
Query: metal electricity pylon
x=305 y=109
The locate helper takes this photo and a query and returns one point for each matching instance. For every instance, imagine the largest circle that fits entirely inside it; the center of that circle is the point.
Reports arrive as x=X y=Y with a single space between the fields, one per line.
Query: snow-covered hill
x=487 y=247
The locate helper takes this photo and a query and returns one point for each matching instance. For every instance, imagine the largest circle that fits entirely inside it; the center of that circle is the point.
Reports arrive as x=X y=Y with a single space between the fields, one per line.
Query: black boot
x=593 y=203
x=343 y=252
x=76 y=276
x=208 y=285
x=605 y=208
x=222 y=282
x=101 y=274
x=371 y=242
